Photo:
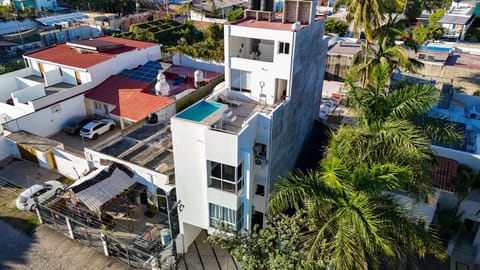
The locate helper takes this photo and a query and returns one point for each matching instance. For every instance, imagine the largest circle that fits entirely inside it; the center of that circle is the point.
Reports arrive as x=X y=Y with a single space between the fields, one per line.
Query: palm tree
x=385 y=52
x=354 y=223
x=393 y=127
x=368 y=15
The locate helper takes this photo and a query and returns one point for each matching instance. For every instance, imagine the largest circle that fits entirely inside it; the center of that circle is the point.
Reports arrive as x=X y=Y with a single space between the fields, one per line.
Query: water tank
x=296 y=26
x=161 y=86
x=254 y=4
x=198 y=76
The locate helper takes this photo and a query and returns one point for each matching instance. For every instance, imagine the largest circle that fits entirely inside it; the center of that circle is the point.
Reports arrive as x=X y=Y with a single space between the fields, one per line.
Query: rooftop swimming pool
x=200 y=111
x=434 y=48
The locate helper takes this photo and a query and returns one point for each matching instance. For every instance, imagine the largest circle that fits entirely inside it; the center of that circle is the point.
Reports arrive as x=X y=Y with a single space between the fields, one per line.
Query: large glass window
x=225 y=177
x=241 y=80
x=226 y=217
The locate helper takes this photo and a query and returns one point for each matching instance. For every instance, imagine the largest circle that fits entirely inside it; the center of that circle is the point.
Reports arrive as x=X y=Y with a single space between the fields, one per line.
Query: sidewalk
x=49 y=249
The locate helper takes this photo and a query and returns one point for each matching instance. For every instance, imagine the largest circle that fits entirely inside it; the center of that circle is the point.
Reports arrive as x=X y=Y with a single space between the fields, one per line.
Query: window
x=241 y=80
x=260 y=190
x=225 y=177
x=226 y=217
x=284 y=47
x=461 y=266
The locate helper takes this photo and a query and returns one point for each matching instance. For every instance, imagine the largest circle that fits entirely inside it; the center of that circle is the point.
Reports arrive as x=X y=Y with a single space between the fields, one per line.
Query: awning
x=97 y=195
x=454 y=19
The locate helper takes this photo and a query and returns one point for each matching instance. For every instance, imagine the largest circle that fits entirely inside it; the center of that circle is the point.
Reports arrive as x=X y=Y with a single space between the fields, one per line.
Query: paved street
x=49 y=249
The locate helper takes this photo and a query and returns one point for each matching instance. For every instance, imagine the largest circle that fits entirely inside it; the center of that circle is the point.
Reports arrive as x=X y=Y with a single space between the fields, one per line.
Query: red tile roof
x=444 y=172
x=65 y=55
x=132 y=98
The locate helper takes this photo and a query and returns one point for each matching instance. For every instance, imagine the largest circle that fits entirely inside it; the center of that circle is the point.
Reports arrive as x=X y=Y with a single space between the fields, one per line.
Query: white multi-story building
x=230 y=148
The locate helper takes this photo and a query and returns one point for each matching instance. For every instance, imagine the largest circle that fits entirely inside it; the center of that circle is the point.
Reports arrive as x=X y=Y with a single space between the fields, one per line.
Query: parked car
x=74 y=127
x=96 y=128
x=43 y=192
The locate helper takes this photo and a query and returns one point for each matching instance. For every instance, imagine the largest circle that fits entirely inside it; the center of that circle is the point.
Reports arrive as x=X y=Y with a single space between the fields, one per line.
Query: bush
x=433 y=19
x=234 y=14
x=336 y=26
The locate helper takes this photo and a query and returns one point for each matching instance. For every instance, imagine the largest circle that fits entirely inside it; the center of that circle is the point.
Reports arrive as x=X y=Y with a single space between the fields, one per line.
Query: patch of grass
x=23 y=221
x=65 y=180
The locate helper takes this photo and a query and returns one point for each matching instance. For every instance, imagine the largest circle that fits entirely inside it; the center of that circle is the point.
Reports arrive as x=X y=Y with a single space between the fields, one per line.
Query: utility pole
x=19 y=30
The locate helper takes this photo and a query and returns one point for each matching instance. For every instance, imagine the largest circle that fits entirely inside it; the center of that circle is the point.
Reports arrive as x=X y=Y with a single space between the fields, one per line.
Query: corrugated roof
x=64 y=54
x=97 y=195
x=63 y=18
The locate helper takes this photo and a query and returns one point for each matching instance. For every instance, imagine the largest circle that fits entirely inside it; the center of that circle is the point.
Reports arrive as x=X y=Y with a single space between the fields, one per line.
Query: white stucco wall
x=4 y=148
x=49 y=120
x=190 y=171
x=186 y=61
x=469 y=159
x=70 y=164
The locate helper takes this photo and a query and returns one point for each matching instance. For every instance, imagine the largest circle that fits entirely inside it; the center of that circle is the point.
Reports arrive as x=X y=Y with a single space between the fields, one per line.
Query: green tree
x=277 y=246
x=413 y=10
x=387 y=53
x=437 y=15
x=394 y=127
x=11 y=66
x=336 y=26
x=423 y=33
x=355 y=224
x=368 y=15
x=234 y=14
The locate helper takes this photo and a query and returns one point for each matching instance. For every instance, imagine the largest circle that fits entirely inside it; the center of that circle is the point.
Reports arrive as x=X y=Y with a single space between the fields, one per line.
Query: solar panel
x=146 y=73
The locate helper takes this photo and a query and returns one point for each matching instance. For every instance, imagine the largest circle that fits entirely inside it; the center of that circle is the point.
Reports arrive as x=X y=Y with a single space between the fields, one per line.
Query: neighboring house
x=230 y=148
x=128 y=101
x=214 y=10
x=457 y=20
x=340 y=58
x=55 y=79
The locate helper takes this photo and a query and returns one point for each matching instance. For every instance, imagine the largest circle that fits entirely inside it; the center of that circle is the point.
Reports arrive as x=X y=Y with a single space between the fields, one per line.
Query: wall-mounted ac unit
x=260 y=162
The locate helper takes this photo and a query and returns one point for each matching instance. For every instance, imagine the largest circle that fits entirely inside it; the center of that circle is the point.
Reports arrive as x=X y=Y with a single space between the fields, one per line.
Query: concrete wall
x=190 y=171
x=185 y=239
x=49 y=120
x=464 y=79
x=4 y=148
x=292 y=122
x=70 y=164
x=29 y=93
x=186 y=61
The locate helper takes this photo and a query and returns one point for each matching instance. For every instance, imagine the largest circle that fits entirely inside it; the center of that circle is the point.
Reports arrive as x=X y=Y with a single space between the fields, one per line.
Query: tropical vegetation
x=11 y=66
x=337 y=26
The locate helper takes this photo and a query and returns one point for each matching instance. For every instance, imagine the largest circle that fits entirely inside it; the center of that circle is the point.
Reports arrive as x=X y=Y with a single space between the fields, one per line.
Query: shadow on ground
x=15 y=245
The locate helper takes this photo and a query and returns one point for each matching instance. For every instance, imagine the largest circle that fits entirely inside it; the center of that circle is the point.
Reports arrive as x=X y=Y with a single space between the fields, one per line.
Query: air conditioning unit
x=260 y=162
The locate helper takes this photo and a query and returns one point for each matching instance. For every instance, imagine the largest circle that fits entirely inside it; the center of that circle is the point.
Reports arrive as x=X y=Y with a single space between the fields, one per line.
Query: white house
x=230 y=148
x=57 y=75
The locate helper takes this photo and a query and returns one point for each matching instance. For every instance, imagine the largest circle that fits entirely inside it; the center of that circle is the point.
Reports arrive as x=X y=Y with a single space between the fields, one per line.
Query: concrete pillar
x=70 y=229
x=103 y=237
x=39 y=214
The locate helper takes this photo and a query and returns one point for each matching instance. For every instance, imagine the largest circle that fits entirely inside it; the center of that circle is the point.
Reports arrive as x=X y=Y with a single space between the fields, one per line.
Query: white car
x=96 y=128
x=43 y=192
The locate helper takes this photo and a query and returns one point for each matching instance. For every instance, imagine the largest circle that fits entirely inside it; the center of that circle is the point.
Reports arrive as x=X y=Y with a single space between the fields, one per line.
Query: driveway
x=23 y=173
x=77 y=144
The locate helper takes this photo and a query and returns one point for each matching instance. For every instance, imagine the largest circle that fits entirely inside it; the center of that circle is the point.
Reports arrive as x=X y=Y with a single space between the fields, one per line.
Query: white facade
x=231 y=148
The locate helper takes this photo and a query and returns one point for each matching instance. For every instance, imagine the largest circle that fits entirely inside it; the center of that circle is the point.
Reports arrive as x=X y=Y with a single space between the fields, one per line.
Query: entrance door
x=257 y=219
x=27 y=153
x=77 y=78
x=41 y=69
